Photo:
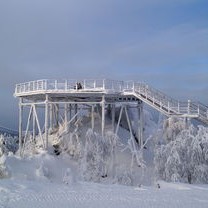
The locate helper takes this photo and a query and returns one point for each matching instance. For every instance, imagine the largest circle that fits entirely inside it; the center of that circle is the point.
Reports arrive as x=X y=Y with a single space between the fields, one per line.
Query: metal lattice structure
x=68 y=95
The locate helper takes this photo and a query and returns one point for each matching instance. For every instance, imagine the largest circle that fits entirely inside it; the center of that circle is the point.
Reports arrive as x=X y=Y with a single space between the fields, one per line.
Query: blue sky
x=162 y=42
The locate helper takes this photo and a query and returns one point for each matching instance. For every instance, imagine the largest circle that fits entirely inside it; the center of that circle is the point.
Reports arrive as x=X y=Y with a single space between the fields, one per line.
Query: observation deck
x=60 y=102
x=123 y=90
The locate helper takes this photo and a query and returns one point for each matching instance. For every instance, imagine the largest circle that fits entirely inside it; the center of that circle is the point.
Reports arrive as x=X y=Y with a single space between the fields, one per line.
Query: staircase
x=168 y=105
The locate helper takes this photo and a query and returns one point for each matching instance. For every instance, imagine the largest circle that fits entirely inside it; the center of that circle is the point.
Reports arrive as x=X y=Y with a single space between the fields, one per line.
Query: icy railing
x=154 y=97
x=202 y=110
x=167 y=104
x=68 y=85
x=157 y=97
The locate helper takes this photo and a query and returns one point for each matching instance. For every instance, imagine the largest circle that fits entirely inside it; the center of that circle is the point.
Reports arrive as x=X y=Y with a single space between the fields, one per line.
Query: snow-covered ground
x=91 y=171
x=46 y=180
x=26 y=193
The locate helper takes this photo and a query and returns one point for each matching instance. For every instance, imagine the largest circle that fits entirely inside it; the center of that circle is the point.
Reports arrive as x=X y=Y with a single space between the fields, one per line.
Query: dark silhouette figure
x=78 y=86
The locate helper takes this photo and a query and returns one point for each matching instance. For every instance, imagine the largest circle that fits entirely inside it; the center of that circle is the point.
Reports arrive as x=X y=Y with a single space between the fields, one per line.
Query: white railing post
x=168 y=107
x=76 y=85
x=30 y=86
x=66 y=85
x=178 y=107
x=41 y=85
x=33 y=85
x=16 y=90
x=133 y=86
x=46 y=84
x=55 y=85
x=84 y=84
x=94 y=84
x=122 y=86
x=198 y=110
x=146 y=88
x=104 y=84
x=189 y=103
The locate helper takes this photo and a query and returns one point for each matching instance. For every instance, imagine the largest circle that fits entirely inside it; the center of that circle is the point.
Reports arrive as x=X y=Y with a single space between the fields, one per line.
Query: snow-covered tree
x=3 y=169
x=98 y=156
x=172 y=127
x=185 y=157
x=8 y=144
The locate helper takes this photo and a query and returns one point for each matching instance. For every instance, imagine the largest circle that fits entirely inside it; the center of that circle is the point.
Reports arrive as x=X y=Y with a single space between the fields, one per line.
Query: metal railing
x=143 y=91
x=68 y=85
x=169 y=105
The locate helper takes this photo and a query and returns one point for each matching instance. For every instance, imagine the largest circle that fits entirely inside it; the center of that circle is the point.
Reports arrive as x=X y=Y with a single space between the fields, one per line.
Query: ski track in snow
x=24 y=194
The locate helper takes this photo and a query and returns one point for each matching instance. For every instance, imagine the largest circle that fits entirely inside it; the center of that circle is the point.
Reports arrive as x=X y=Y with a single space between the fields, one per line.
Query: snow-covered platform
x=63 y=100
x=74 y=90
x=123 y=90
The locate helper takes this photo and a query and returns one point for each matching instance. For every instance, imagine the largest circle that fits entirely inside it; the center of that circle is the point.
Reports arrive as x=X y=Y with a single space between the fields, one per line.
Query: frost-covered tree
x=71 y=145
x=3 y=169
x=173 y=165
x=8 y=144
x=98 y=156
x=185 y=157
x=172 y=127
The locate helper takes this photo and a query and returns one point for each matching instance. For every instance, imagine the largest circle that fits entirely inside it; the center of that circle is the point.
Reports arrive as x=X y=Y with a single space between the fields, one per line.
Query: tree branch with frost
x=137 y=153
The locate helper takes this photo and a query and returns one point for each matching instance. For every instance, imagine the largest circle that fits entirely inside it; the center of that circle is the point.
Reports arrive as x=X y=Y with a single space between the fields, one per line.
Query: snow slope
x=45 y=180
x=26 y=193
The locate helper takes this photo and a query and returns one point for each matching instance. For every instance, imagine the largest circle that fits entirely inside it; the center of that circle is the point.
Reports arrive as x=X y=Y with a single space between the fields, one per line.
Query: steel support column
x=34 y=126
x=103 y=115
x=70 y=111
x=119 y=119
x=66 y=116
x=141 y=124
x=51 y=116
x=92 y=117
x=113 y=117
x=20 y=123
x=46 y=121
x=57 y=114
x=75 y=111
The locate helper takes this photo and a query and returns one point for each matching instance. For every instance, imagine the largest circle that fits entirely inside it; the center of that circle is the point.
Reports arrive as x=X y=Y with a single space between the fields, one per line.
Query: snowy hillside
x=84 y=169
x=28 y=193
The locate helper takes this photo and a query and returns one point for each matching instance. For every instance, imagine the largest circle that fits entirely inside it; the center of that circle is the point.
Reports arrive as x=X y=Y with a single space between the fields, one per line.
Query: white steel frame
x=51 y=94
